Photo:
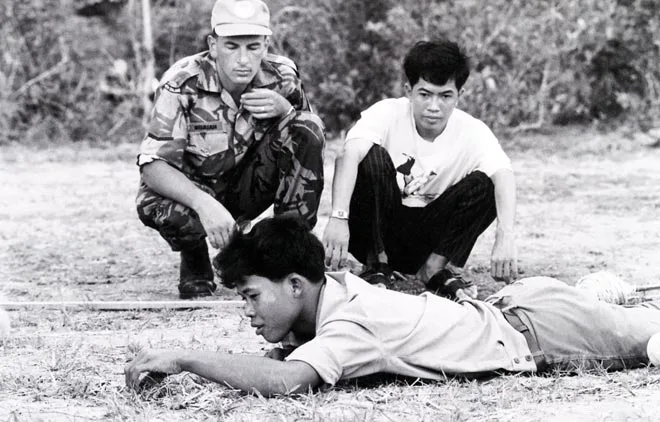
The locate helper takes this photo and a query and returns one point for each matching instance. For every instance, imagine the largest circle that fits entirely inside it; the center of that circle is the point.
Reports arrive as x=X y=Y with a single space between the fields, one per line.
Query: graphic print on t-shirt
x=406 y=167
x=409 y=183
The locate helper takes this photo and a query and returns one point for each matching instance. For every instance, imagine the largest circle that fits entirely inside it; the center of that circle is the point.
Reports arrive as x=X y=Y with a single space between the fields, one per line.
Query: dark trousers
x=448 y=226
x=285 y=169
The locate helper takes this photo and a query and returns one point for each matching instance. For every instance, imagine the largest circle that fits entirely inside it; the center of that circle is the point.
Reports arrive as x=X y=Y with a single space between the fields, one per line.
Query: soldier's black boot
x=195 y=272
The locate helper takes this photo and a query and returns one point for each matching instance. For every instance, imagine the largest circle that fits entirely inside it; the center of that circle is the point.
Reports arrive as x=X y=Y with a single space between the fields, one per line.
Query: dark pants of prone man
x=283 y=169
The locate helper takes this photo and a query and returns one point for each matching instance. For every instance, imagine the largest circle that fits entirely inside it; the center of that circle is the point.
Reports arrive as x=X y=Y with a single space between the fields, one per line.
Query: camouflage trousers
x=283 y=169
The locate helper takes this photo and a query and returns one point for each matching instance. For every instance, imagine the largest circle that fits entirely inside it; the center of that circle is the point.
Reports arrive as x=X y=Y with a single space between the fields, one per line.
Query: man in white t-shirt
x=347 y=328
x=419 y=180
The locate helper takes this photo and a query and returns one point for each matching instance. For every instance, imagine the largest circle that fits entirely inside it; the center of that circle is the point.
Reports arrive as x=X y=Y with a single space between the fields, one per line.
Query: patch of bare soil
x=69 y=231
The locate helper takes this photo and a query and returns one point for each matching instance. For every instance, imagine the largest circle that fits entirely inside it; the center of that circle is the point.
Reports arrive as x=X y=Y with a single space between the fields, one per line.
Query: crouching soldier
x=231 y=133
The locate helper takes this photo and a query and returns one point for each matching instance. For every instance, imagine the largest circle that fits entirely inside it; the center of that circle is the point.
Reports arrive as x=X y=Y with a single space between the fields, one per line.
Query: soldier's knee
x=144 y=216
x=146 y=204
x=164 y=214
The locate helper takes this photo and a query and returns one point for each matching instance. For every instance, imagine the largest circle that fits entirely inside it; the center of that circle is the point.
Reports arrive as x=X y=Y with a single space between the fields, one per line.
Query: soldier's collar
x=208 y=79
x=267 y=75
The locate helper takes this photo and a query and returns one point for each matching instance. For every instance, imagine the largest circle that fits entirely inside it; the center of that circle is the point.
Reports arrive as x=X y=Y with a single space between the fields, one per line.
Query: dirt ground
x=69 y=231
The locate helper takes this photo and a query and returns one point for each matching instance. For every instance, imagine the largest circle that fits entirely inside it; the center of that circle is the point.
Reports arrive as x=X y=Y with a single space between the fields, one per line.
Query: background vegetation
x=535 y=63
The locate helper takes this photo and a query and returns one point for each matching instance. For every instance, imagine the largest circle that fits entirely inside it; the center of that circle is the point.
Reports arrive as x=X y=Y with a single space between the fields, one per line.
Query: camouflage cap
x=240 y=17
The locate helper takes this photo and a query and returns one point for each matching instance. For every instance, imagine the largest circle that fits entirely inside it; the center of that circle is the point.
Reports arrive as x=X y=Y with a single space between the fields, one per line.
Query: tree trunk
x=148 y=70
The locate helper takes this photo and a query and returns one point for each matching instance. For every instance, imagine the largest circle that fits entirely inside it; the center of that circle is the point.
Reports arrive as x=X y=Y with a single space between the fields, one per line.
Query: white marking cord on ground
x=124 y=305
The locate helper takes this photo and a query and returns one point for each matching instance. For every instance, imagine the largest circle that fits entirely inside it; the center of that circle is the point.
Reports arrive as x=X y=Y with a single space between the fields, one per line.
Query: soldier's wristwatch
x=340 y=214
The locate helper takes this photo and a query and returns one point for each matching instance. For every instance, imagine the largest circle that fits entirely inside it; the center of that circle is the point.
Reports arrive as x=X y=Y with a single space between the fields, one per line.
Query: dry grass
x=69 y=231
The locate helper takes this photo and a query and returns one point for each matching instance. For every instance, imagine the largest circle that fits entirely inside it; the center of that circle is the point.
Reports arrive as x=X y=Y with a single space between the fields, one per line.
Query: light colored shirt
x=464 y=146
x=362 y=329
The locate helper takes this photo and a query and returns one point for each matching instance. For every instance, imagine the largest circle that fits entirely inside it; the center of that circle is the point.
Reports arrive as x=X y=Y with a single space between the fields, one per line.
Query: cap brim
x=237 y=29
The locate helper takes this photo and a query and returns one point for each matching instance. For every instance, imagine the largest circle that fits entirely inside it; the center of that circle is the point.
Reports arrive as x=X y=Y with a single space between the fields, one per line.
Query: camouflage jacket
x=195 y=125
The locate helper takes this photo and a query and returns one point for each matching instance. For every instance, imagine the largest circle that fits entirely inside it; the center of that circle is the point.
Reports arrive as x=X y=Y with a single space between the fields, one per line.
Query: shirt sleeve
x=167 y=134
x=341 y=349
x=372 y=125
x=492 y=157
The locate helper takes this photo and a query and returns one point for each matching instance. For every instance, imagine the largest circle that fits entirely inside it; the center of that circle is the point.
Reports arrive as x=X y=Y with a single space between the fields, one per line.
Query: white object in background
x=5 y=326
x=653 y=349
x=607 y=287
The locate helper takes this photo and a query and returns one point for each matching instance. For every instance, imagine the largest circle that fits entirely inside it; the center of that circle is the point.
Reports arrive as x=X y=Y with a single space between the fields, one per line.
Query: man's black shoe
x=447 y=283
x=379 y=273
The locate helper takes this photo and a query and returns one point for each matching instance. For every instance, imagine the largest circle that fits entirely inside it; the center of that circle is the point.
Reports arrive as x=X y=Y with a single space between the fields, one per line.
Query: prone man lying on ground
x=346 y=327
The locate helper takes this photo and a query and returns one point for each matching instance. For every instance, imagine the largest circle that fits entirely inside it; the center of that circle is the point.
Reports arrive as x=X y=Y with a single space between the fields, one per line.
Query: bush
x=51 y=70
x=534 y=63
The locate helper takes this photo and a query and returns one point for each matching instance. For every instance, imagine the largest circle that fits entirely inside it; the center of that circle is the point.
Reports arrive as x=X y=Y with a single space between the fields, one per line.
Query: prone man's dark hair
x=436 y=62
x=274 y=248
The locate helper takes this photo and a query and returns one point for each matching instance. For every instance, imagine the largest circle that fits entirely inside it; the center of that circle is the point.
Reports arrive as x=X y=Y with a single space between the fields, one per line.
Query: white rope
x=124 y=305
x=5 y=325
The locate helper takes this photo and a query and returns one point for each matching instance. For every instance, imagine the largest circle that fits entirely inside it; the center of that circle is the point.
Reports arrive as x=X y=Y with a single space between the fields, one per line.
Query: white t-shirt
x=362 y=329
x=466 y=145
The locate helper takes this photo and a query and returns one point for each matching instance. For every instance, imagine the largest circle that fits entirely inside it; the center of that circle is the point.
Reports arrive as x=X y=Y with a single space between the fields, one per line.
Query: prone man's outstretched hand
x=155 y=364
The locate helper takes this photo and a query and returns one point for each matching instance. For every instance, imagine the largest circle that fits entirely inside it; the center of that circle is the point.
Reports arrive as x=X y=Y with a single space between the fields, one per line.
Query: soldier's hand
x=157 y=364
x=265 y=103
x=335 y=242
x=504 y=260
x=218 y=223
